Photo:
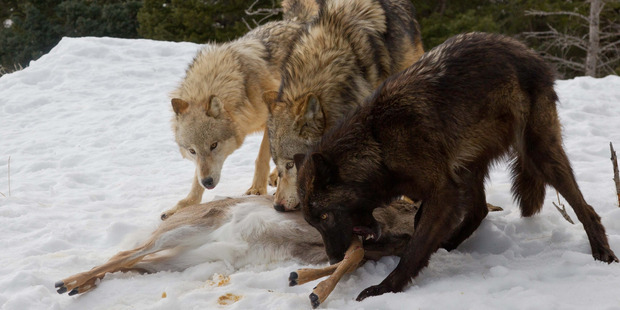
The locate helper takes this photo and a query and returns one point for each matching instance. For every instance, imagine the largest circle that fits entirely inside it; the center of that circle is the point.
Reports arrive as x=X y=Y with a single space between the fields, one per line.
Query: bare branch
x=565 y=62
x=246 y=23
x=614 y=161
x=611 y=46
x=262 y=11
x=611 y=61
x=558 y=39
x=563 y=209
x=543 y=13
x=265 y=12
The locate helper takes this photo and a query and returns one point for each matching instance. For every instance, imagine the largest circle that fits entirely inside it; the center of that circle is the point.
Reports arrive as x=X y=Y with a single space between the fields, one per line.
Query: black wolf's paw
x=375 y=290
x=605 y=255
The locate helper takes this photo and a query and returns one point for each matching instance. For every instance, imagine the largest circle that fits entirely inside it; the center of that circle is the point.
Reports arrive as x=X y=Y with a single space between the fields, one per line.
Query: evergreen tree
x=38 y=25
x=195 y=20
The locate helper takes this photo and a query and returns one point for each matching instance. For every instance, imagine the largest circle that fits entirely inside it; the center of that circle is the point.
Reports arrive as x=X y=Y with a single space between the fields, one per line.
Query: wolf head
x=336 y=208
x=294 y=125
x=206 y=135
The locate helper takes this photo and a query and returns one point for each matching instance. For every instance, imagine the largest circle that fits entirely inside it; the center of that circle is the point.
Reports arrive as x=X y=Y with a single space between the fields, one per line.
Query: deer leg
x=306 y=275
x=352 y=259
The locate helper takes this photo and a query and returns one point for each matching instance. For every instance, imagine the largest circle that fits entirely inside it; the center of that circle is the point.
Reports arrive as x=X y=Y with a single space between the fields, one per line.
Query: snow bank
x=94 y=163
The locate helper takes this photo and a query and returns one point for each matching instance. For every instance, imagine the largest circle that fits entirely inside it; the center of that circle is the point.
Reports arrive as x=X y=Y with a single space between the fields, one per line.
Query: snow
x=93 y=163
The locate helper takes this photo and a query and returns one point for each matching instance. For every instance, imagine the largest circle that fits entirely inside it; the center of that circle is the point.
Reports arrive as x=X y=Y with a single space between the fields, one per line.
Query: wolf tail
x=300 y=10
x=348 y=17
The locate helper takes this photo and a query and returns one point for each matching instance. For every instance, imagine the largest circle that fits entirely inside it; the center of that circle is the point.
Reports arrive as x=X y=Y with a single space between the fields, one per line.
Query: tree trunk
x=596 y=6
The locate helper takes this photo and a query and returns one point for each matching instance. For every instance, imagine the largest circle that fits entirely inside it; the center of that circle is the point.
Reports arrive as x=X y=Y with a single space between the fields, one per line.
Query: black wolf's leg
x=543 y=149
x=473 y=202
x=439 y=216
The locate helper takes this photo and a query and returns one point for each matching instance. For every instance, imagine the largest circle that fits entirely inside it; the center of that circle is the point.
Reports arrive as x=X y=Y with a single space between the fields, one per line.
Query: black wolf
x=431 y=133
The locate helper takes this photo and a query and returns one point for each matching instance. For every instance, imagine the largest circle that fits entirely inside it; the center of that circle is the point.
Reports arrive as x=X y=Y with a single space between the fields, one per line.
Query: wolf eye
x=324 y=216
x=289 y=165
x=192 y=151
x=213 y=146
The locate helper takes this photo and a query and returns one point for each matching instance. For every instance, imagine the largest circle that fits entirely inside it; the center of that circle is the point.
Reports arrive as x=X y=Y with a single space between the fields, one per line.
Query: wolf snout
x=208 y=183
x=281 y=207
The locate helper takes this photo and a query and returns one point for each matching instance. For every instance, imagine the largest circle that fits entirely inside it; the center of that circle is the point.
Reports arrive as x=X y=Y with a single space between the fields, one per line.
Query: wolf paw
x=605 y=255
x=375 y=290
x=273 y=178
x=256 y=191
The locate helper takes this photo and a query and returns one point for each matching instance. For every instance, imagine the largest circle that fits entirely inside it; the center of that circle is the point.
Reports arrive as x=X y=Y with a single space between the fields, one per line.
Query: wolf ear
x=313 y=118
x=214 y=108
x=324 y=170
x=269 y=97
x=179 y=106
x=299 y=160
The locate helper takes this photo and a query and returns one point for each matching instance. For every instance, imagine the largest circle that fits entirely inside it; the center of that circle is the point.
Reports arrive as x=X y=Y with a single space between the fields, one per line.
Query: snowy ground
x=93 y=163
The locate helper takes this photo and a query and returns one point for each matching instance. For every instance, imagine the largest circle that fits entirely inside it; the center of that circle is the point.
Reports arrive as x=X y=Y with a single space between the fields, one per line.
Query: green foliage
x=38 y=25
x=499 y=16
x=441 y=19
x=436 y=28
x=195 y=20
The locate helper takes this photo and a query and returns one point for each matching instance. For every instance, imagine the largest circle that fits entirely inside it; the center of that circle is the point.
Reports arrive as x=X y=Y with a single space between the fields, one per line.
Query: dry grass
x=6 y=70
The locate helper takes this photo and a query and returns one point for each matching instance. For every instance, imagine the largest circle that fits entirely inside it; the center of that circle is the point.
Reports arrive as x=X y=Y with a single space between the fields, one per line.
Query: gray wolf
x=431 y=133
x=335 y=62
x=258 y=236
x=219 y=102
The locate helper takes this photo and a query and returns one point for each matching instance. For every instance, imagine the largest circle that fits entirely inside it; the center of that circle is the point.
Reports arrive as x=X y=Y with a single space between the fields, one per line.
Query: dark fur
x=336 y=61
x=431 y=133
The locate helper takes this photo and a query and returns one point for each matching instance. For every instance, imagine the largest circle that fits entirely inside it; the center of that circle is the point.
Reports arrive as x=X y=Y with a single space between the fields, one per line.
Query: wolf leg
x=437 y=219
x=543 y=149
x=558 y=173
x=473 y=201
x=273 y=178
x=261 y=171
x=194 y=197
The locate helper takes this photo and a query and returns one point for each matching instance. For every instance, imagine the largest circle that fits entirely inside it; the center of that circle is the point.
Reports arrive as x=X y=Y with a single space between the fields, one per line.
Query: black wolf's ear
x=214 y=107
x=299 y=160
x=269 y=97
x=312 y=118
x=324 y=170
x=179 y=106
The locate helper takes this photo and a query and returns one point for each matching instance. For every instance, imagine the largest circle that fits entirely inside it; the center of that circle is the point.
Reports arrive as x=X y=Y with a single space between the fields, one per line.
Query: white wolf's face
x=205 y=136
